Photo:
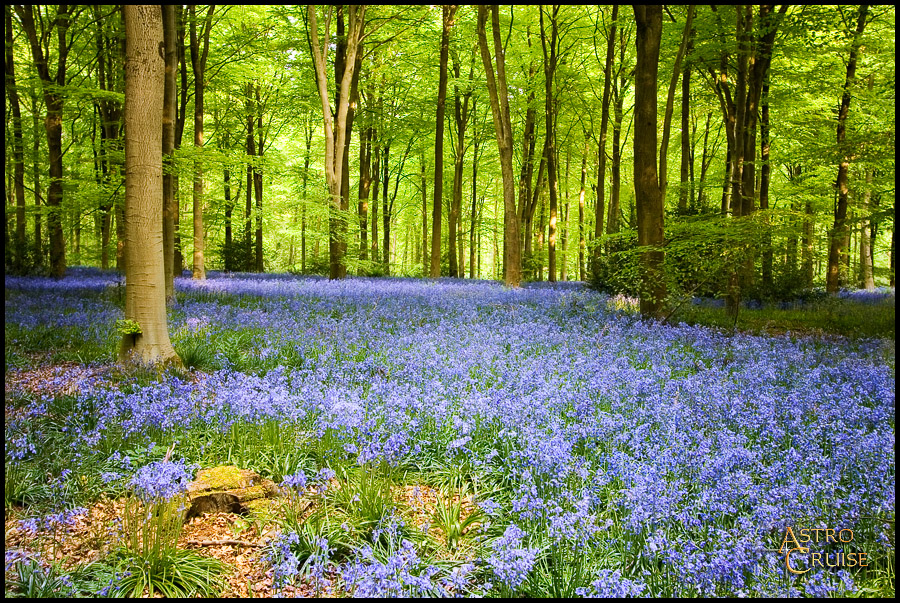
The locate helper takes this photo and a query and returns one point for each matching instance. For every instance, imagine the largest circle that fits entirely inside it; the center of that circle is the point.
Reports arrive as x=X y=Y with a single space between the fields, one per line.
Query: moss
x=227 y=477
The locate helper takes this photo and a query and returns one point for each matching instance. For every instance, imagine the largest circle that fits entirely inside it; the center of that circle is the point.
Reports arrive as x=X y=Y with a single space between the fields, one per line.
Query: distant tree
x=837 y=247
x=39 y=32
x=448 y=12
x=499 y=95
x=336 y=121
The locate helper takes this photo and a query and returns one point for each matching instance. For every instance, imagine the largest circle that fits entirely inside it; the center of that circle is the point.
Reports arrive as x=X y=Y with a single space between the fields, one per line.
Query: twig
x=222 y=543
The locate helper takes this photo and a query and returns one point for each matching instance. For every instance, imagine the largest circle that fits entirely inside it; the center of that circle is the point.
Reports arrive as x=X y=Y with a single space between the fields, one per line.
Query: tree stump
x=227 y=489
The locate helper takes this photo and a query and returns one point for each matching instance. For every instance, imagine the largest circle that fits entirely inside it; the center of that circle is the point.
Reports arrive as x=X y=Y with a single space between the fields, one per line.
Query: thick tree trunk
x=648 y=193
x=145 y=301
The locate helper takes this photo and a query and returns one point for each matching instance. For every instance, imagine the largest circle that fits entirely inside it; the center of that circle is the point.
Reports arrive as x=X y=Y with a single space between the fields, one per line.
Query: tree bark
x=550 y=60
x=335 y=123
x=18 y=155
x=198 y=64
x=648 y=193
x=168 y=150
x=499 y=95
x=612 y=222
x=53 y=99
x=145 y=301
x=448 y=13
x=837 y=248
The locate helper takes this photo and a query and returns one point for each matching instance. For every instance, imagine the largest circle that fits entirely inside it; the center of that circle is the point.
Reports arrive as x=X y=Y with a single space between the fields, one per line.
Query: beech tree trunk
x=145 y=293
x=336 y=123
x=53 y=100
x=198 y=63
x=648 y=194
x=599 y=210
x=499 y=95
x=18 y=155
x=550 y=59
x=448 y=12
x=168 y=149
x=838 y=248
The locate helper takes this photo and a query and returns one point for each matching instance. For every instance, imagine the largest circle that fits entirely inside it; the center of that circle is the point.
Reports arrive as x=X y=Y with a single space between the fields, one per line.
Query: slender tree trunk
x=474 y=218
x=499 y=95
x=448 y=13
x=386 y=212
x=336 y=123
x=615 y=188
x=18 y=155
x=425 y=257
x=168 y=152
x=198 y=63
x=145 y=302
x=838 y=248
x=807 y=245
x=53 y=100
x=365 y=184
x=866 y=267
x=686 y=171
x=248 y=199
x=612 y=222
x=36 y=162
x=258 y=186
x=550 y=59
x=765 y=171
x=582 y=246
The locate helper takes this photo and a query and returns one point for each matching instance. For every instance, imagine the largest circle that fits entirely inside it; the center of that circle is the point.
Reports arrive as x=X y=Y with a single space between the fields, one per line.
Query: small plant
x=127 y=326
x=452 y=517
x=33 y=581
x=153 y=519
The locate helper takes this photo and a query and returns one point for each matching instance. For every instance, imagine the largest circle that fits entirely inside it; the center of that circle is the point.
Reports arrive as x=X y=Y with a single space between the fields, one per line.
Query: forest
x=381 y=300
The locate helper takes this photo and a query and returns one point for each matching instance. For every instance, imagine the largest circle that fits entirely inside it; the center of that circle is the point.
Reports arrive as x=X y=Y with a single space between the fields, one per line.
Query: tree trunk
x=18 y=155
x=648 y=193
x=599 y=210
x=550 y=59
x=336 y=123
x=837 y=248
x=198 y=64
x=448 y=13
x=168 y=150
x=258 y=186
x=685 y=172
x=670 y=105
x=474 y=215
x=582 y=246
x=365 y=184
x=425 y=257
x=145 y=301
x=53 y=99
x=866 y=268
